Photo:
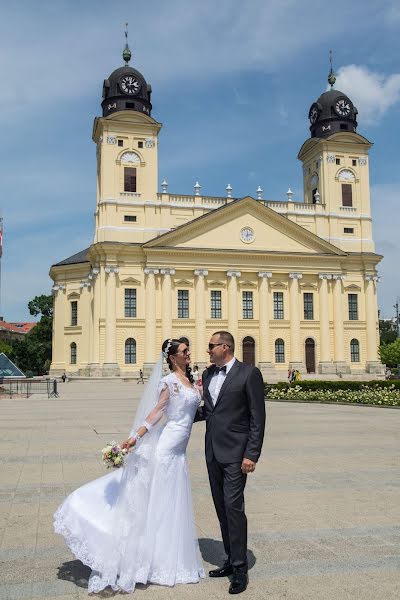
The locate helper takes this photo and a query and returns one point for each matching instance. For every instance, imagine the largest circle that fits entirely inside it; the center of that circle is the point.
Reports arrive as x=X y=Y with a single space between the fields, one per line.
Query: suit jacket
x=235 y=425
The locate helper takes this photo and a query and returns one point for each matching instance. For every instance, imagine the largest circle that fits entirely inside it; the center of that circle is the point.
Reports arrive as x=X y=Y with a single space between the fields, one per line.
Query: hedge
x=315 y=385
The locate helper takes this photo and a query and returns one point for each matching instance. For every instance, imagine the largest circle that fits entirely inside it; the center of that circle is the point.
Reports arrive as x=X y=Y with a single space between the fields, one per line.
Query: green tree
x=33 y=352
x=387 y=332
x=6 y=348
x=390 y=353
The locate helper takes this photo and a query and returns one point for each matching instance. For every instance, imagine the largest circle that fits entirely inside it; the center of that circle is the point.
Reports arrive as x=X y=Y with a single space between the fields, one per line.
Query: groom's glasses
x=212 y=346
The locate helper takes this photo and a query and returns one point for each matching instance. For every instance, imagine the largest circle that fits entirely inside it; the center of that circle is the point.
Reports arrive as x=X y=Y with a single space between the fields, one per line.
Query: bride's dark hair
x=173 y=346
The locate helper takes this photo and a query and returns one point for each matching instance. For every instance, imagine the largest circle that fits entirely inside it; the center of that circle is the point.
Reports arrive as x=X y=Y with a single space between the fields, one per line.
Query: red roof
x=17 y=327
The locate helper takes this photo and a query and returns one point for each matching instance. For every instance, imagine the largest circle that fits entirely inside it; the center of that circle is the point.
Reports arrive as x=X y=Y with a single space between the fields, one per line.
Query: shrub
x=372 y=393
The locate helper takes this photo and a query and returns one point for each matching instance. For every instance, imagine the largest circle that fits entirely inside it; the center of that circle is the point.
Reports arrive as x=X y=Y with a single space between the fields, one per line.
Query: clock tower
x=126 y=137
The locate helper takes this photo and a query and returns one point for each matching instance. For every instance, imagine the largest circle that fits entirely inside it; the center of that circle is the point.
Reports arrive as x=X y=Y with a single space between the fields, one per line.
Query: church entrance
x=249 y=350
x=310 y=355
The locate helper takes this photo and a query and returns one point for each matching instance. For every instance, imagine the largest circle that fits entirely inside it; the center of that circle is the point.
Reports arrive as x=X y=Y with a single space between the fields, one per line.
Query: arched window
x=279 y=351
x=130 y=351
x=73 y=353
x=355 y=350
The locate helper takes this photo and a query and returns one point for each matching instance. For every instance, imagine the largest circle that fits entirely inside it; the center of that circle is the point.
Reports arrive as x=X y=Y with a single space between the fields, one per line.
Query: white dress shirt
x=218 y=379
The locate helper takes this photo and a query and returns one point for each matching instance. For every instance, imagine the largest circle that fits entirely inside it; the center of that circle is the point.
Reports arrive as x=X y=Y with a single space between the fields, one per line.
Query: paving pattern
x=323 y=504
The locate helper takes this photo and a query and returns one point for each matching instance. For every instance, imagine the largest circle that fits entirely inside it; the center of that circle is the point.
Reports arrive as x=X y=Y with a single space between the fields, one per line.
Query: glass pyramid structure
x=8 y=369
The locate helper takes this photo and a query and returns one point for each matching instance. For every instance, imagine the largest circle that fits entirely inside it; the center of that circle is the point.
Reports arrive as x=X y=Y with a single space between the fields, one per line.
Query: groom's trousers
x=227 y=484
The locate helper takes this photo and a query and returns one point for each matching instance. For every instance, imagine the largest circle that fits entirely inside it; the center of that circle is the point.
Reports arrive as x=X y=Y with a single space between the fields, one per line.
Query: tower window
x=129 y=179
x=343 y=126
x=140 y=145
x=130 y=302
x=349 y=230
x=120 y=143
x=354 y=162
x=74 y=313
x=131 y=218
x=338 y=161
x=129 y=105
x=347 y=194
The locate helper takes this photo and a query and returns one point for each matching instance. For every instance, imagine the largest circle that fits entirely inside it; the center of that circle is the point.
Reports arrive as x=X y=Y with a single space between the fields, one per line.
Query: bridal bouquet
x=113 y=455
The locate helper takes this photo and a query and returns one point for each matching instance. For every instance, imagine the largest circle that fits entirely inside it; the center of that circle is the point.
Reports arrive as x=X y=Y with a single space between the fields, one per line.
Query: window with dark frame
x=308 y=300
x=247 y=305
x=74 y=313
x=279 y=351
x=216 y=304
x=347 y=194
x=129 y=179
x=354 y=351
x=130 y=351
x=183 y=304
x=130 y=302
x=73 y=357
x=130 y=218
x=278 y=305
x=354 y=162
x=349 y=230
x=353 y=307
x=140 y=145
x=120 y=143
x=338 y=161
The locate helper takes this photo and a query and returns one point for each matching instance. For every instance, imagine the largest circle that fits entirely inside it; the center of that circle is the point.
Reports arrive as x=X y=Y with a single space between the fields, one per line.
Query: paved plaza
x=323 y=505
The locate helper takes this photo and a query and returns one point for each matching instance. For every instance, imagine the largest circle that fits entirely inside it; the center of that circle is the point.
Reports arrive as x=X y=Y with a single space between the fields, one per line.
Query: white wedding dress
x=135 y=524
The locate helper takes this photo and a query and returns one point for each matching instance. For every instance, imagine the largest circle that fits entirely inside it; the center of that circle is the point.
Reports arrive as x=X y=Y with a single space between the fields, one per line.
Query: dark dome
x=126 y=89
x=332 y=112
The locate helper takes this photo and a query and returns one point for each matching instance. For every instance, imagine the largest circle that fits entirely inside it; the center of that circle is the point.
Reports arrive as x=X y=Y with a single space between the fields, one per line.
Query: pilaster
x=296 y=354
x=58 y=364
x=166 y=303
x=200 y=357
x=326 y=365
x=342 y=367
x=110 y=366
x=373 y=366
x=150 y=332
x=265 y=365
x=233 y=303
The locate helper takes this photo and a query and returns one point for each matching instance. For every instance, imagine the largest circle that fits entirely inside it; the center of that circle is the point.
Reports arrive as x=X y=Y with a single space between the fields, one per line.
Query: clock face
x=247 y=235
x=129 y=85
x=313 y=114
x=343 y=107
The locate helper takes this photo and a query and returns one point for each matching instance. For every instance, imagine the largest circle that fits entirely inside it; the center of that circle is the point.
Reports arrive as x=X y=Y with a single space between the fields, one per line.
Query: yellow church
x=294 y=282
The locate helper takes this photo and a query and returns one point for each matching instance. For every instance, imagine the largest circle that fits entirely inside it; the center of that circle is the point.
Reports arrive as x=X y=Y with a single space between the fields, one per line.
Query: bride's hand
x=129 y=443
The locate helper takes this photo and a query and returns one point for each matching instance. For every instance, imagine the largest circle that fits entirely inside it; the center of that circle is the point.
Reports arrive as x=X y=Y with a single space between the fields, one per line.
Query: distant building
x=15 y=330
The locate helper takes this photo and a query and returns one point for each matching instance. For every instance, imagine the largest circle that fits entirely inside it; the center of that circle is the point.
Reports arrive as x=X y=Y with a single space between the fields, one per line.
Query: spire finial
x=126 y=55
x=331 y=76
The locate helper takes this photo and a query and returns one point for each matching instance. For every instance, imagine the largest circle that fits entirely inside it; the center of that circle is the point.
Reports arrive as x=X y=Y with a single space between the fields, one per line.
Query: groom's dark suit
x=234 y=431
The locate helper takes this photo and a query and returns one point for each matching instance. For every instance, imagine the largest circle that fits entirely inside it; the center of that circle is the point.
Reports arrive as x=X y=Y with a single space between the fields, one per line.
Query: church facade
x=295 y=282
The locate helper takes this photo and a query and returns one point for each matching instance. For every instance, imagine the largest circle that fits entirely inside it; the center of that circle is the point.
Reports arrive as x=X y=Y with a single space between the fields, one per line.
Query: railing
x=134 y=195
x=27 y=387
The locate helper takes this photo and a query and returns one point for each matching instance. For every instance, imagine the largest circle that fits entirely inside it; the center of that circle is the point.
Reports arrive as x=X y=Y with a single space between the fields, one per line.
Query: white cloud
x=372 y=93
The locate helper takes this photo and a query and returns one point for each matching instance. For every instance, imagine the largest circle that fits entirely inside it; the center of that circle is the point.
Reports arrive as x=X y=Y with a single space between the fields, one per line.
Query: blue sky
x=232 y=83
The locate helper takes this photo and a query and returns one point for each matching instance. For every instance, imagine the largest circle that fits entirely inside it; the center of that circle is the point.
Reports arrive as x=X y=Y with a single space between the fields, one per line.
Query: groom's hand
x=248 y=466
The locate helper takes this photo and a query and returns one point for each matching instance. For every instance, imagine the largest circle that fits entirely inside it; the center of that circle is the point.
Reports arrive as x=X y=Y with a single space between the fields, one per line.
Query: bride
x=135 y=525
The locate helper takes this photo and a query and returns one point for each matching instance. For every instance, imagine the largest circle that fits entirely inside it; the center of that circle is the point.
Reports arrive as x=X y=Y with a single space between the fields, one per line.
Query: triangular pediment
x=245 y=225
x=130 y=281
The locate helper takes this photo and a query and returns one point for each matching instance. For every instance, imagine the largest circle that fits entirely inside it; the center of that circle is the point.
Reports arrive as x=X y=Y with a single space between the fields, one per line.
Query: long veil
x=130 y=511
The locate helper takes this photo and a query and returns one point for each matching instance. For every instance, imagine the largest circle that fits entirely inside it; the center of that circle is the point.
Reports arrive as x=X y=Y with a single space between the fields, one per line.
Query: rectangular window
x=338 y=161
x=308 y=299
x=354 y=162
x=74 y=313
x=120 y=143
x=349 y=230
x=183 y=304
x=130 y=302
x=353 y=307
x=129 y=179
x=347 y=194
x=278 y=305
x=247 y=299
x=140 y=144
x=216 y=305
x=130 y=218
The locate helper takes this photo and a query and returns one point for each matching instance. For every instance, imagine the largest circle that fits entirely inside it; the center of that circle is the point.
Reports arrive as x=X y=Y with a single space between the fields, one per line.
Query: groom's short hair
x=226 y=338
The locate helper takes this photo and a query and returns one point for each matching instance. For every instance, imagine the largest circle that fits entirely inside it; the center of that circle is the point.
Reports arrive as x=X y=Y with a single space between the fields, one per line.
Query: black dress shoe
x=223 y=571
x=239 y=583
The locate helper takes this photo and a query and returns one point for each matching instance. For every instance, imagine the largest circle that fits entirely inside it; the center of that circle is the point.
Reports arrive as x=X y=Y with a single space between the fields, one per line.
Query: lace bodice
x=176 y=401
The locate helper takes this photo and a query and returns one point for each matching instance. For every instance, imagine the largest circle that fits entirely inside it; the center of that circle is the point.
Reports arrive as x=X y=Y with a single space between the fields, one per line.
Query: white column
x=58 y=357
x=150 y=334
x=371 y=317
x=325 y=362
x=110 y=351
x=264 y=316
x=233 y=315
x=166 y=303
x=201 y=356
x=95 y=333
x=338 y=331
x=84 y=353
x=296 y=355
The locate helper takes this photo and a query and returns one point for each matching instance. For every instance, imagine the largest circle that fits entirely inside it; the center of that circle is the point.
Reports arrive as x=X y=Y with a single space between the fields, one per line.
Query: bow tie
x=219 y=370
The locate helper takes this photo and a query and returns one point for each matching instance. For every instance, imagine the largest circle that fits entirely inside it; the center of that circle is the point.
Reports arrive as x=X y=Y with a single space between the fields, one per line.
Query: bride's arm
x=152 y=419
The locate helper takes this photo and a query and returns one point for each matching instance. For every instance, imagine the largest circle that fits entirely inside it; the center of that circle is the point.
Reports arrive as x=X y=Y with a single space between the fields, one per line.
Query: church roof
x=79 y=257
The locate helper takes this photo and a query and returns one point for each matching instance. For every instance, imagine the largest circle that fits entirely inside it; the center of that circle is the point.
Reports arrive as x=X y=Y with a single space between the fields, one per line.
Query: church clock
x=129 y=85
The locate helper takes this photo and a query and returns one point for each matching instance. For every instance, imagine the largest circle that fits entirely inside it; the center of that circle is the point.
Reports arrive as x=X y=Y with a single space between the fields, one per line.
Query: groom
x=234 y=410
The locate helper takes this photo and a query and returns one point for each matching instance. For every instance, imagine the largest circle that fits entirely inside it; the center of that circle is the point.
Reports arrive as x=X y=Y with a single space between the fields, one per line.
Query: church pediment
x=184 y=282
x=245 y=225
x=352 y=288
x=130 y=281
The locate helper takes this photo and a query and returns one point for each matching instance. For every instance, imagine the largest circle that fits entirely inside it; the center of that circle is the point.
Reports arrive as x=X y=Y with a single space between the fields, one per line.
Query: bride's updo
x=169 y=348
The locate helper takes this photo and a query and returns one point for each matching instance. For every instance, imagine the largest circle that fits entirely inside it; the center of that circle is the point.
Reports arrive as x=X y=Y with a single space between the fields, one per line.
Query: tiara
x=165 y=352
